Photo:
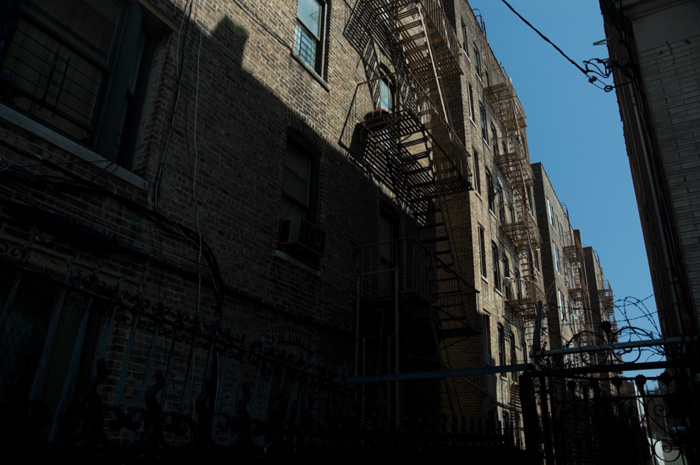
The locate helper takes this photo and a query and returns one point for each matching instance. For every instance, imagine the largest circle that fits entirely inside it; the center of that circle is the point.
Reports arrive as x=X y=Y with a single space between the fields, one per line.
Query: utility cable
x=586 y=72
x=180 y=64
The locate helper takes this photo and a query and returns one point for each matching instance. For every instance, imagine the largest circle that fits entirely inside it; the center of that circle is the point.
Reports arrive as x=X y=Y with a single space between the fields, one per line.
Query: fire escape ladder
x=413 y=150
x=577 y=284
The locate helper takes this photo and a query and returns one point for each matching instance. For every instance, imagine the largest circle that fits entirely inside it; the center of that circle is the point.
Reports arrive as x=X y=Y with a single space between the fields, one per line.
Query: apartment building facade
x=179 y=220
x=211 y=210
x=563 y=268
x=249 y=224
x=654 y=72
x=654 y=48
x=501 y=232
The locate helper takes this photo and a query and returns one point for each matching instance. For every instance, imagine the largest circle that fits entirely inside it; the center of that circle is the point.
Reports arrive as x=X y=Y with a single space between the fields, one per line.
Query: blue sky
x=574 y=129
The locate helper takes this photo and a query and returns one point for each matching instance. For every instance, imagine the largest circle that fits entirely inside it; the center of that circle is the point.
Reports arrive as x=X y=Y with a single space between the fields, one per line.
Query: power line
x=586 y=72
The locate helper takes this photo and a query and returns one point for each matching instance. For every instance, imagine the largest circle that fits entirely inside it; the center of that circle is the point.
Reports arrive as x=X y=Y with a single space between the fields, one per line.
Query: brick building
x=577 y=297
x=215 y=214
x=204 y=214
x=654 y=48
x=501 y=231
x=659 y=114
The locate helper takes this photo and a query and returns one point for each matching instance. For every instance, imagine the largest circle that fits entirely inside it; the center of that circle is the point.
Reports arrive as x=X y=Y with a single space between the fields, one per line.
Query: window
x=494 y=140
x=308 y=43
x=513 y=354
x=501 y=203
x=489 y=189
x=496 y=266
x=557 y=258
x=80 y=67
x=486 y=334
x=561 y=303
x=518 y=285
x=477 y=173
x=508 y=284
x=477 y=61
x=471 y=102
x=387 y=91
x=298 y=183
x=482 y=251
x=465 y=44
x=386 y=94
x=299 y=235
x=484 y=129
x=550 y=212
x=501 y=346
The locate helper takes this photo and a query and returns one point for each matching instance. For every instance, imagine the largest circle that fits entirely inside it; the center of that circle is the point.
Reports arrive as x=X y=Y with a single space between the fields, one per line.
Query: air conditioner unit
x=299 y=234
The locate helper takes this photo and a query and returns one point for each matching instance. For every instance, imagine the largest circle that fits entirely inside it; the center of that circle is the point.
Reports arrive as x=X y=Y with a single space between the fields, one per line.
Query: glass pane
x=297 y=175
x=309 y=13
x=291 y=210
x=305 y=46
x=296 y=188
x=385 y=96
x=49 y=80
x=93 y=20
x=298 y=164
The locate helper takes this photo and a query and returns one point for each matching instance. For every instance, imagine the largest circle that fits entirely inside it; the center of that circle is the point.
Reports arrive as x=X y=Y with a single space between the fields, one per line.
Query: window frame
x=484 y=124
x=477 y=61
x=490 y=191
x=482 y=252
x=507 y=283
x=310 y=206
x=112 y=118
x=465 y=39
x=486 y=331
x=471 y=103
x=387 y=84
x=500 y=201
x=494 y=138
x=496 y=260
x=320 y=42
x=477 y=173
x=501 y=345
x=561 y=303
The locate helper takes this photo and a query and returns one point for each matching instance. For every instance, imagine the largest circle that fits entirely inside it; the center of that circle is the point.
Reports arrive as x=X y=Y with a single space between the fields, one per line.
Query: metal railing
x=45 y=76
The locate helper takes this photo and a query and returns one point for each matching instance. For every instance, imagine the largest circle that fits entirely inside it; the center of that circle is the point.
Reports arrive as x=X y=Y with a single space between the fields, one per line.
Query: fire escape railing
x=513 y=162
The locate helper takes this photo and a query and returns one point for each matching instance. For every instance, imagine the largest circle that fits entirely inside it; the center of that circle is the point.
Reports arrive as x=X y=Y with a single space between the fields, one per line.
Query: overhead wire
x=586 y=72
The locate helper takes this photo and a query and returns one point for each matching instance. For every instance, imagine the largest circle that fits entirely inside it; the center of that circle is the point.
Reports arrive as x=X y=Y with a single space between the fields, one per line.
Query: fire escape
x=607 y=304
x=577 y=285
x=514 y=163
x=409 y=148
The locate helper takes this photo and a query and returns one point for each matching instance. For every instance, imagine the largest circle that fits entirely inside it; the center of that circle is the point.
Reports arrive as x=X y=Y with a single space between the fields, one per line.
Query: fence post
x=533 y=441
